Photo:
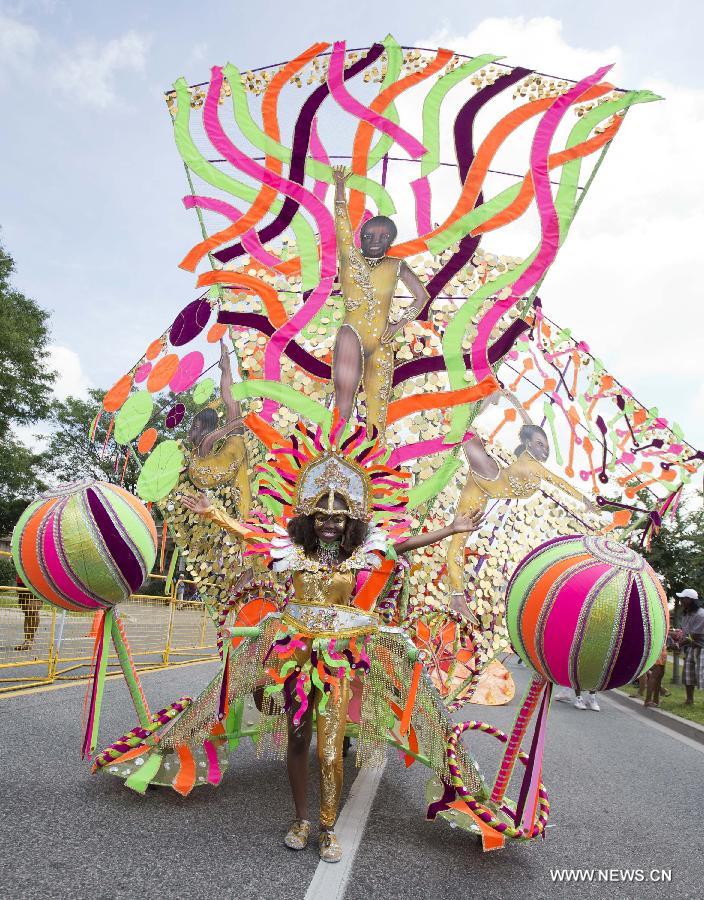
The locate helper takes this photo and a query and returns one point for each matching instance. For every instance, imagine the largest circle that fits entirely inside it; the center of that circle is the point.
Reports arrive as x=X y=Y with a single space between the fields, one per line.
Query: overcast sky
x=90 y=198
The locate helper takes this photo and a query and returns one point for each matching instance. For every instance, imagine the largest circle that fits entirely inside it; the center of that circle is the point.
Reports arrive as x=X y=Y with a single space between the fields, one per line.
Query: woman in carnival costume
x=326 y=655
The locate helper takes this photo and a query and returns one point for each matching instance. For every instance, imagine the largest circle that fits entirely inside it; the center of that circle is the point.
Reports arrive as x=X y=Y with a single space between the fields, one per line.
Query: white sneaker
x=592 y=702
x=579 y=703
x=564 y=696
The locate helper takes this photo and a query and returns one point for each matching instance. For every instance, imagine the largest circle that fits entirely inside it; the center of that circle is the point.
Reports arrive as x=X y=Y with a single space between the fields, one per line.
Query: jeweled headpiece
x=306 y=470
x=330 y=474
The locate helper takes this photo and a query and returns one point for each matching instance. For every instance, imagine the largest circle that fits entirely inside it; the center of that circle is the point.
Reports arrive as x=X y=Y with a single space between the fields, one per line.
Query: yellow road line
x=43 y=688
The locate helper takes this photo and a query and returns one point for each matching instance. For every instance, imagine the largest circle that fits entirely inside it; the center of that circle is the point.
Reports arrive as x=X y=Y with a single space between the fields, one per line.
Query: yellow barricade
x=43 y=644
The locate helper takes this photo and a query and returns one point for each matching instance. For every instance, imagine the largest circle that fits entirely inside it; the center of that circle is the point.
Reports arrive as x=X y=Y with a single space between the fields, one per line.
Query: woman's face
x=538 y=446
x=330 y=527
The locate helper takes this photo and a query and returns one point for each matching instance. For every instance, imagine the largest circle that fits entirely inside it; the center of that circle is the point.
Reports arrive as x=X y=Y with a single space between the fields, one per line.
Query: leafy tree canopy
x=25 y=378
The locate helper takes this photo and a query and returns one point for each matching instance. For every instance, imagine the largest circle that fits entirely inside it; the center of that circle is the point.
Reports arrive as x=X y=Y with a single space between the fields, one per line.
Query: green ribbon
x=306 y=239
x=142 y=777
x=433 y=102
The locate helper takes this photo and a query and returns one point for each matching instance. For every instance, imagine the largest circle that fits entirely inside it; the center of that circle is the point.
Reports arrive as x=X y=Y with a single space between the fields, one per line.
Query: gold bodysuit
x=321 y=607
x=368 y=290
x=226 y=462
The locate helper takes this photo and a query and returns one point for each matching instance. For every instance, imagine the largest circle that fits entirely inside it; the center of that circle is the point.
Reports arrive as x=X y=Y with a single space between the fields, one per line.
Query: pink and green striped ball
x=586 y=612
x=85 y=546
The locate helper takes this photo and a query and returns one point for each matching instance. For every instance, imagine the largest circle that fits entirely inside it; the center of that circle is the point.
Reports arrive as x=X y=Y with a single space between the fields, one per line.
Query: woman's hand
x=198 y=505
x=471 y=521
x=340 y=175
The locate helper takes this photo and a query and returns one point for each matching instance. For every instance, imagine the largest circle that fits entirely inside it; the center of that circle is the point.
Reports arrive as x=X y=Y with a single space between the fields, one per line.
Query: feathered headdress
x=305 y=470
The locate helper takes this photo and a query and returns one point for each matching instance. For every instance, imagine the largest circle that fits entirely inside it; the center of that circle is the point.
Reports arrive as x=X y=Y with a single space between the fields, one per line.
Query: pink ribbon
x=250 y=239
x=549 y=221
x=423 y=448
x=411 y=145
x=323 y=219
x=421 y=192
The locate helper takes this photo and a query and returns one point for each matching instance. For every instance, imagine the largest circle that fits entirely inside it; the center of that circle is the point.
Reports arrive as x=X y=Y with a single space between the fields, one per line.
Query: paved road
x=625 y=794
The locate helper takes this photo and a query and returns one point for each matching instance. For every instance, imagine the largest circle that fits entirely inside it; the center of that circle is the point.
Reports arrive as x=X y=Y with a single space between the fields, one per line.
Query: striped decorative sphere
x=85 y=546
x=586 y=612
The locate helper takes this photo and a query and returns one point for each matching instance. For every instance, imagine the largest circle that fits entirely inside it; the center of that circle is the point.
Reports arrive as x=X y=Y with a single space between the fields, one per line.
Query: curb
x=692 y=730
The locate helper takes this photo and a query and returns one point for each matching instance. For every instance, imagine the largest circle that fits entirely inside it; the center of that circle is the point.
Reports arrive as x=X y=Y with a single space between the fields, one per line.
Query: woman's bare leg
x=347 y=368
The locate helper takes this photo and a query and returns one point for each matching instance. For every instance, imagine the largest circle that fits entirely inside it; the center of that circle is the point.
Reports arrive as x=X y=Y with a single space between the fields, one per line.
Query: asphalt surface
x=624 y=794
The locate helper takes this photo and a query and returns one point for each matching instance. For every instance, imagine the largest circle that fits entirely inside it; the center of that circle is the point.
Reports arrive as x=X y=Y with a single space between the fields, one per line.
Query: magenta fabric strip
x=421 y=192
x=319 y=154
x=214 y=771
x=549 y=222
x=411 y=145
x=423 y=448
x=299 y=152
x=250 y=239
x=55 y=566
x=321 y=215
x=564 y=618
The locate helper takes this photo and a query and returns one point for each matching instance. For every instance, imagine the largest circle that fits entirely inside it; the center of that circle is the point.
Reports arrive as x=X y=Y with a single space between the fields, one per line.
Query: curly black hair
x=301 y=530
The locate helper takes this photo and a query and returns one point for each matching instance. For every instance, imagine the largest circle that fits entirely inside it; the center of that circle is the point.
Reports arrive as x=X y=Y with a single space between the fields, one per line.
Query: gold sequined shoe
x=298 y=834
x=330 y=849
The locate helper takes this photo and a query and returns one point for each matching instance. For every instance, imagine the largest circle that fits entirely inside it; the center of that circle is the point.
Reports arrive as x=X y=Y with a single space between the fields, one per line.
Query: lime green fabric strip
x=427 y=490
x=306 y=239
x=394 y=61
x=142 y=777
x=83 y=553
x=128 y=672
x=286 y=396
x=433 y=103
x=595 y=650
x=269 y=145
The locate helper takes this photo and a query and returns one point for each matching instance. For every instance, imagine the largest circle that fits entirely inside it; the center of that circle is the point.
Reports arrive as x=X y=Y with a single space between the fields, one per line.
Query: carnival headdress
x=330 y=474
x=306 y=470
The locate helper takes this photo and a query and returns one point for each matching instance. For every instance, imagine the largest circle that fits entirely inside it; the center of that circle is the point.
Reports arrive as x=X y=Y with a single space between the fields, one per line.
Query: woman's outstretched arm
x=471 y=521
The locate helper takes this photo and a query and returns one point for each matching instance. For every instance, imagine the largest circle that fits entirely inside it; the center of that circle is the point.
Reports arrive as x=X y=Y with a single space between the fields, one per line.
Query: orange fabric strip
x=365 y=132
x=266 y=433
x=491 y=838
x=270 y=299
x=186 y=778
x=441 y=400
x=523 y=200
x=368 y=595
x=411 y=699
x=30 y=563
x=482 y=161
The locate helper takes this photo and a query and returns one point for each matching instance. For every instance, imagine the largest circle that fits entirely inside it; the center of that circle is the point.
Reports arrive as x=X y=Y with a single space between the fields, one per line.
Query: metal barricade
x=161 y=630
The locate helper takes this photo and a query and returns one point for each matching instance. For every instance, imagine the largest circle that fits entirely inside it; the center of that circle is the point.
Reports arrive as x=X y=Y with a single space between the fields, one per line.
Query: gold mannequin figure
x=210 y=467
x=487 y=480
x=363 y=355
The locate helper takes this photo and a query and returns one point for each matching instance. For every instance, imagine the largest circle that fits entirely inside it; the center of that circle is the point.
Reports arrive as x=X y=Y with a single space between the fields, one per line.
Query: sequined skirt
x=295 y=659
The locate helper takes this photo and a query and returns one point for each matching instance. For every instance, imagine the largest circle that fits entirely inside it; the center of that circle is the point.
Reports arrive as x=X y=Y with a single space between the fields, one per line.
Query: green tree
x=25 y=393
x=25 y=377
x=677 y=551
x=71 y=456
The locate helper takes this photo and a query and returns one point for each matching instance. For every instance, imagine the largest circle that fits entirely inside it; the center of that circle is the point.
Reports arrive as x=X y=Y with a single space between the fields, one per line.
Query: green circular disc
x=203 y=390
x=133 y=416
x=160 y=472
